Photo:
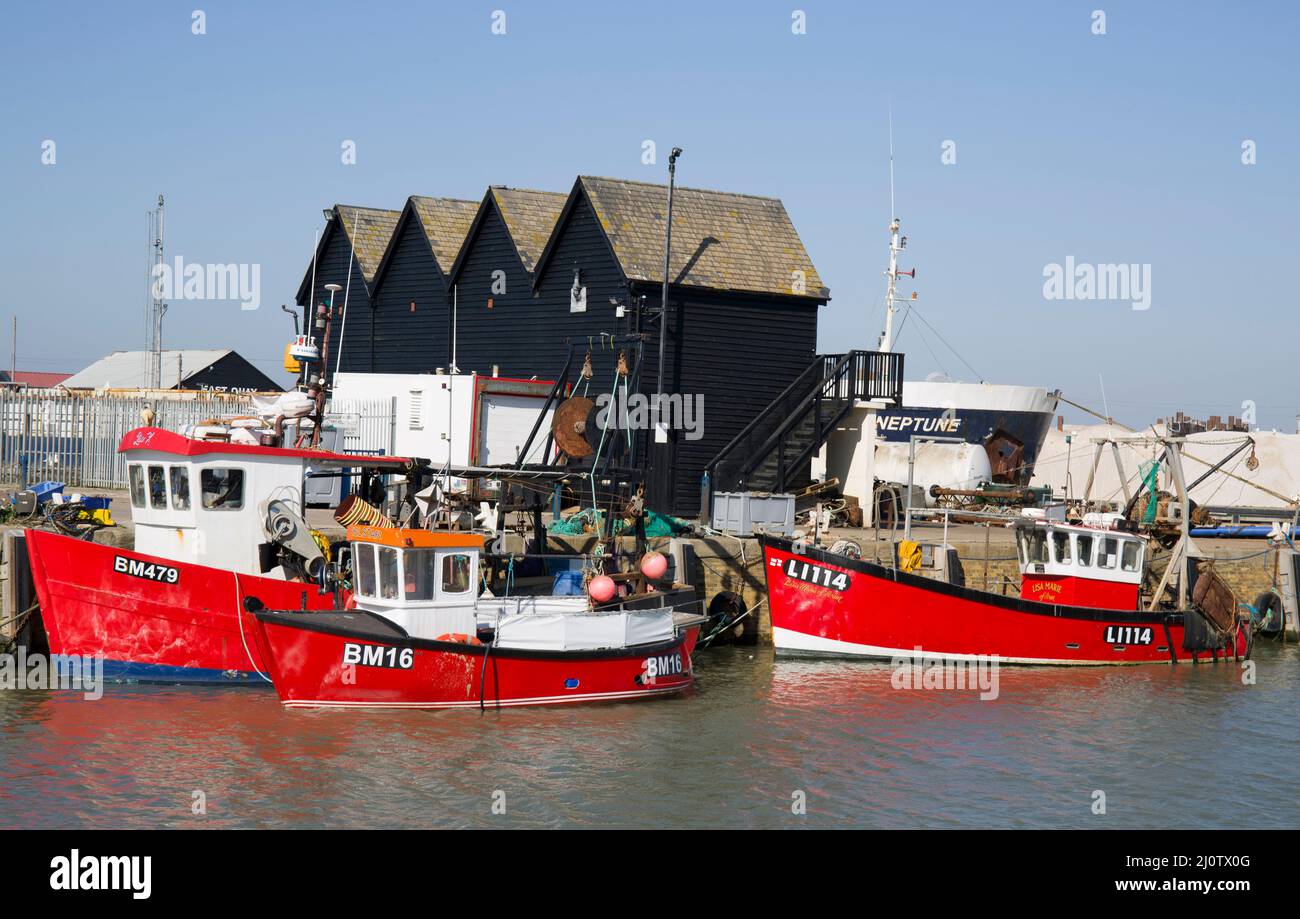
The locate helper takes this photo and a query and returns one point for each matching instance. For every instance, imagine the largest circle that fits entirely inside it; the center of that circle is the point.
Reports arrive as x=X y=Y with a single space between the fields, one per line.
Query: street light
x=668 y=245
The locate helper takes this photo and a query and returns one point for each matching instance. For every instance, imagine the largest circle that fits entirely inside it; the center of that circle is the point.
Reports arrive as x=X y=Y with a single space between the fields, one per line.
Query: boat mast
x=897 y=244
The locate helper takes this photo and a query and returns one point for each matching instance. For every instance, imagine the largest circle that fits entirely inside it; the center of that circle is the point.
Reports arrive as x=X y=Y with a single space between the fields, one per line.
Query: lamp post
x=668 y=245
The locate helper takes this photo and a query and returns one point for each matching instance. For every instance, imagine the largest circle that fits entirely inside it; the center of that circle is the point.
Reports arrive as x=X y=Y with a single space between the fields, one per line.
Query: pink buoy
x=601 y=588
x=654 y=565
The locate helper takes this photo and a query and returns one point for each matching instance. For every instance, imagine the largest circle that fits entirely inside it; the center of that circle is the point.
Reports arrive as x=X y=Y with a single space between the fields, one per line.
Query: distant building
x=32 y=379
x=217 y=370
x=1182 y=424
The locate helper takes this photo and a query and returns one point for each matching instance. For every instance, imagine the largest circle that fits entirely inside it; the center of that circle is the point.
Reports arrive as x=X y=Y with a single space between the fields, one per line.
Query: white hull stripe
x=474 y=703
x=789 y=640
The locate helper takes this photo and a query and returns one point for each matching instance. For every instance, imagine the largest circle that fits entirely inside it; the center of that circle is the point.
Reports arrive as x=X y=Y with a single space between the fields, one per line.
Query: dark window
x=137 y=485
x=365 y=560
x=1085 y=550
x=420 y=572
x=223 y=489
x=158 y=488
x=455 y=574
x=388 y=573
x=180 y=488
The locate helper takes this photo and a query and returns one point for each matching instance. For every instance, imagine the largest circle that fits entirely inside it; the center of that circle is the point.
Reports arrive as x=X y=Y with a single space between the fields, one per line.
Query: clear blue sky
x=1123 y=147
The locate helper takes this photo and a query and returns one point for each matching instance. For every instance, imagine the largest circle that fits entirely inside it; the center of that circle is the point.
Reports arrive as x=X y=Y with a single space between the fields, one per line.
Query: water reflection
x=1168 y=746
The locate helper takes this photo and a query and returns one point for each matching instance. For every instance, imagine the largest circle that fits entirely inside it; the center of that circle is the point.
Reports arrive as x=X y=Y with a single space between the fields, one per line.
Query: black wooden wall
x=494 y=328
x=406 y=339
x=332 y=265
x=738 y=351
x=524 y=332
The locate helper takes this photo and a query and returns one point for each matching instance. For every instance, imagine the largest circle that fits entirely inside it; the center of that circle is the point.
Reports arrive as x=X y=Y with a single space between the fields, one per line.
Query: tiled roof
x=445 y=222
x=529 y=217
x=34 y=379
x=721 y=240
x=374 y=227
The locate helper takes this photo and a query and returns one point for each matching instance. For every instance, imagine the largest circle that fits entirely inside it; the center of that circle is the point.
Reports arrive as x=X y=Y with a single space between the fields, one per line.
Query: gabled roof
x=529 y=217
x=444 y=221
x=33 y=379
x=374 y=227
x=130 y=369
x=721 y=240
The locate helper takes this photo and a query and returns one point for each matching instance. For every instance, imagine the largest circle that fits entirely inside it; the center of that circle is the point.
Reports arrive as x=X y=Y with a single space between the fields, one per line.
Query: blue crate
x=568 y=584
x=43 y=490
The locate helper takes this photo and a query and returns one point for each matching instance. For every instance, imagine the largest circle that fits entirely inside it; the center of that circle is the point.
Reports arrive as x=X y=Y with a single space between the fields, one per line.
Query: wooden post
x=16 y=591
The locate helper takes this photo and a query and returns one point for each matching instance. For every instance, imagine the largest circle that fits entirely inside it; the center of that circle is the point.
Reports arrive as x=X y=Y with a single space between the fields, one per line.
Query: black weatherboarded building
x=742 y=304
x=492 y=283
x=489 y=287
x=348 y=254
x=410 y=327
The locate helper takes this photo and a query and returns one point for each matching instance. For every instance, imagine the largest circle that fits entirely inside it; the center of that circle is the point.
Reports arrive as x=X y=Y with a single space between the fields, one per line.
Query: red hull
x=829 y=605
x=354 y=660
x=156 y=619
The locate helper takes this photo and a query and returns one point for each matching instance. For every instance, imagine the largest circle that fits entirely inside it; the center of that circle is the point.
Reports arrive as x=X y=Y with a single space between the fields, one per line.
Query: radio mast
x=154 y=305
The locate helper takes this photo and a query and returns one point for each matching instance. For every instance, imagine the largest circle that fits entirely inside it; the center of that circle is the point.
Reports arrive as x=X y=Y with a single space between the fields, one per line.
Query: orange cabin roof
x=413 y=539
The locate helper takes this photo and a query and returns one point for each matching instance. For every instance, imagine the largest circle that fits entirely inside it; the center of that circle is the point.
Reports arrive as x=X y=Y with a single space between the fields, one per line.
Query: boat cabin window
x=1132 y=555
x=364 y=556
x=1083 y=550
x=1034 y=547
x=387 y=573
x=137 y=485
x=1108 y=553
x=455 y=573
x=420 y=573
x=1061 y=548
x=223 y=489
x=158 y=488
x=180 y=488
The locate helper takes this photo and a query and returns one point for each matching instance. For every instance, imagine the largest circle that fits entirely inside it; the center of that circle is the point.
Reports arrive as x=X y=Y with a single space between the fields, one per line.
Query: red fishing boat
x=419 y=636
x=1079 y=604
x=215 y=522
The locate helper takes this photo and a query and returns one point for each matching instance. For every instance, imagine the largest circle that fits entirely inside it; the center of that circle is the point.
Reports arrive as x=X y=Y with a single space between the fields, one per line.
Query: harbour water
x=1169 y=747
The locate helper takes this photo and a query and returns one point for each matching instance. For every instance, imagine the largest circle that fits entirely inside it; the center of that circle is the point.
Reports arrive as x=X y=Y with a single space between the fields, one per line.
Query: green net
x=1150 y=472
x=590 y=520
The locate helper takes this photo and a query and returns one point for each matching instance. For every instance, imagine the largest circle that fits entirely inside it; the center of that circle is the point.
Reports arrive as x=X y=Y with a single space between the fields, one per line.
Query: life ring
x=459 y=638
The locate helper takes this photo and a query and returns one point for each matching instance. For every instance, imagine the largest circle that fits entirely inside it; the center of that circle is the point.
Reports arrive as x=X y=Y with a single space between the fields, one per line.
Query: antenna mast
x=155 y=307
x=896 y=245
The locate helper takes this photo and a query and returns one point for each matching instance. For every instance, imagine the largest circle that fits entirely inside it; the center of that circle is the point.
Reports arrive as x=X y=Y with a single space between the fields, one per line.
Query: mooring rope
x=239 y=617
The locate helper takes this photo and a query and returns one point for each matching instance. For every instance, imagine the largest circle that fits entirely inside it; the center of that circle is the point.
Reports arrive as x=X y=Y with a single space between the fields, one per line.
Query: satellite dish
x=571 y=427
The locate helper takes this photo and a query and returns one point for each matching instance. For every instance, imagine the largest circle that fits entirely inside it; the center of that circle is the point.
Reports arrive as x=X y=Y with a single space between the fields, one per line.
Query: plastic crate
x=741 y=513
x=568 y=584
x=43 y=490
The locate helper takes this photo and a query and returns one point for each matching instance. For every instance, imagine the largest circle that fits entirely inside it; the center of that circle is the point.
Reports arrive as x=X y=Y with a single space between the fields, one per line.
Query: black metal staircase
x=773 y=452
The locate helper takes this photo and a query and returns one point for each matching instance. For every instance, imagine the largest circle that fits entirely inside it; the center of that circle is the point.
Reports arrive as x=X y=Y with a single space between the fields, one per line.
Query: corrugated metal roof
x=374 y=227
x=130 y=369
x=530 y=217
x=446 y=221
x=721 y=240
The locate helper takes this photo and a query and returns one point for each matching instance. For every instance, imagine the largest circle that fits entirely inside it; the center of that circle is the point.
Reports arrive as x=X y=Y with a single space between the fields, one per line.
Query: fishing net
x=1150 y=472
x=589 y=520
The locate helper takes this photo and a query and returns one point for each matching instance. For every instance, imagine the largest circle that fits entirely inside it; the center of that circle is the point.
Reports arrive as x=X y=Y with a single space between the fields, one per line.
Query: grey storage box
x=744 y=513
